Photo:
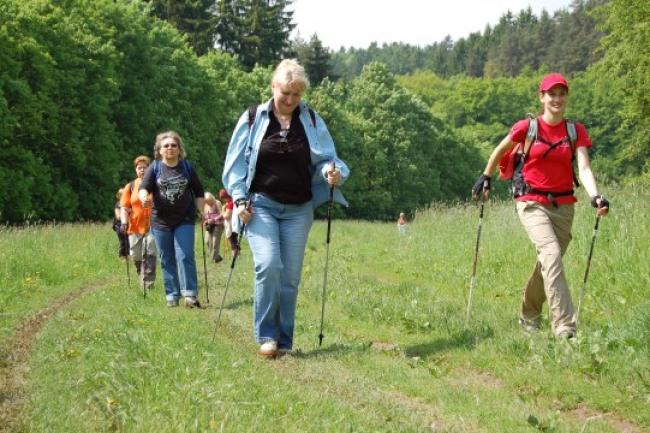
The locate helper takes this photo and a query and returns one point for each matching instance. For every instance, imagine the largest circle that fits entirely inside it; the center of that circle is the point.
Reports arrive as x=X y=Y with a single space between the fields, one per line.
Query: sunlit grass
x=396 y=356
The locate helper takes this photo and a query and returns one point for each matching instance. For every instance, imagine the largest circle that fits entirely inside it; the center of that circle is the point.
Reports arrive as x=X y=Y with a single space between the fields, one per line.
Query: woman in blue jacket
x=280 y=165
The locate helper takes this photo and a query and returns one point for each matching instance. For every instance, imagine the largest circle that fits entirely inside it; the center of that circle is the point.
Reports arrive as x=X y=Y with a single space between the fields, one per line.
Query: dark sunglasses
x=284 y=143
x=167 y=145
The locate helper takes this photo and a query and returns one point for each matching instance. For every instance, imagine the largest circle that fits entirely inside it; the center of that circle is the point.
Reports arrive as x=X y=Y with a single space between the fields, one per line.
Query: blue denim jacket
x=241 y=159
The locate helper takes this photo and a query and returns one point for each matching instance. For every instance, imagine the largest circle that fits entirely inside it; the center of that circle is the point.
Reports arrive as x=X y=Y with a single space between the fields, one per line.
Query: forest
x=86 y=85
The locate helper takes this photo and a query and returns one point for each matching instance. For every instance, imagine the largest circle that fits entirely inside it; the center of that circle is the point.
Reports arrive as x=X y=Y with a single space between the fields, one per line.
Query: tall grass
x=39 y=263
x=396 y=355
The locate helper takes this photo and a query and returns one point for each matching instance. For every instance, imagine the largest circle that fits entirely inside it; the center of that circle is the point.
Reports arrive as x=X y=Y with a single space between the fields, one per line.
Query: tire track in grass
x=14 y=364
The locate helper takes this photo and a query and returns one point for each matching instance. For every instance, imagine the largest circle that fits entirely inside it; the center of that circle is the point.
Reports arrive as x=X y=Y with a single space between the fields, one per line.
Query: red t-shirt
x=553 y=171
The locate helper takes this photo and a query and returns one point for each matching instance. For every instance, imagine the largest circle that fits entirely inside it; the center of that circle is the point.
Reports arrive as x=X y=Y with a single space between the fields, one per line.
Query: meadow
x=397 y=355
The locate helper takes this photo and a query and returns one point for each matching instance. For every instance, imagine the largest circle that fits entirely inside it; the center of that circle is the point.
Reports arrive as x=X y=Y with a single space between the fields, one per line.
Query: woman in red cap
x=543 y=188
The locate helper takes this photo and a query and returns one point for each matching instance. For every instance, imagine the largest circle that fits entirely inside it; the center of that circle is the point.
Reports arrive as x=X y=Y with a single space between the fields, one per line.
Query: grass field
x=396 y=357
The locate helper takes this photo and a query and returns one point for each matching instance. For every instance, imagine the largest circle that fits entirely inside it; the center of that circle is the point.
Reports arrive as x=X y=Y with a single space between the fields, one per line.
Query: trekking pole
x=584 y=280
x=205 y=266
x=128 y=273
x=327 y=255
x=143 y=265
x=225 y=292
x=478 y=239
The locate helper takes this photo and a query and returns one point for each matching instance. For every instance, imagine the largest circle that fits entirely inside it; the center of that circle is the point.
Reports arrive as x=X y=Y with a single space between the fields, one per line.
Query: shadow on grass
x=239 y=303
x=465 y=339
x=327 y=350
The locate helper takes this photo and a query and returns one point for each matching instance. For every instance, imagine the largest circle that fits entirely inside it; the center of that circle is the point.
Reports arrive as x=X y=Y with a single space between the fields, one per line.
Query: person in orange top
x=135 y=221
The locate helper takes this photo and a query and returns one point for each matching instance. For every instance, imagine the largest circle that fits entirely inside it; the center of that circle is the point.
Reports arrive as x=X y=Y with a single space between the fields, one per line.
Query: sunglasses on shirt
x=284 y=143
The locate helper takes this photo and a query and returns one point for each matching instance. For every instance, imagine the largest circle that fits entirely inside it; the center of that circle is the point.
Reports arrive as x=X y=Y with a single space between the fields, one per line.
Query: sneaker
x=172 y=303
x=218 y=259
x=192 y=302
x=528 y=326
x=269 y=349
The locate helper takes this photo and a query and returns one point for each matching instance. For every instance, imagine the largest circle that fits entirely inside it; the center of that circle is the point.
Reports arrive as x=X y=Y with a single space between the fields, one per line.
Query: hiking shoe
x=192 y=302
x=218 y=259
x=284 y=351
x=528 y=326
x=269 y=349
x=172 y=303
x=566 y=335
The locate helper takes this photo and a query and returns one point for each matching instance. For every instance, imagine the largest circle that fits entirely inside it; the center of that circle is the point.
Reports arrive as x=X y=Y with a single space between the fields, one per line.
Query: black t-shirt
x=173 y=194
x=282 y=170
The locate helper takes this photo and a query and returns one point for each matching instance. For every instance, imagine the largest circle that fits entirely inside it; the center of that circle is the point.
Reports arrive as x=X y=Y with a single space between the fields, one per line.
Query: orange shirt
x=139 y=217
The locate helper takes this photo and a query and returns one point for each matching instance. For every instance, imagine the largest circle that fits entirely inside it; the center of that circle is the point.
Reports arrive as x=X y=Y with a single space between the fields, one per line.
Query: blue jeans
x=176 y=251
x=277 y=235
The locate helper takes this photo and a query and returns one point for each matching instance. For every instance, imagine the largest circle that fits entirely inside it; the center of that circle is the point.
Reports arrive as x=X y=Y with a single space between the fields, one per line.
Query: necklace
x=284 y=120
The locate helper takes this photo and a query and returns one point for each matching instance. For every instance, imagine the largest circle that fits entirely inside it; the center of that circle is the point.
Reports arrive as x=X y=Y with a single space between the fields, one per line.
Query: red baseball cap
x=551 y=80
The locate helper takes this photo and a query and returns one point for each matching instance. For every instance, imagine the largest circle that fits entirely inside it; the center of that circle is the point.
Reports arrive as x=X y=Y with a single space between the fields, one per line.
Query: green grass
x=396 y=355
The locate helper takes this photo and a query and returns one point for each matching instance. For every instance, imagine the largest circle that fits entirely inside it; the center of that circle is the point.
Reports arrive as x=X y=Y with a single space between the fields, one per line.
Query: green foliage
x=627 y=66
x=257 y=31
x=405 y=157
x=86 y=87
x=315 y=58
x=565 y=42
x=194 y=18
x=482 y=110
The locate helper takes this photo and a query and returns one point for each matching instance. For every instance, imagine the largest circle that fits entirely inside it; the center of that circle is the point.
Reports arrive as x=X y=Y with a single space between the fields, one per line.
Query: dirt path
x=14 y=361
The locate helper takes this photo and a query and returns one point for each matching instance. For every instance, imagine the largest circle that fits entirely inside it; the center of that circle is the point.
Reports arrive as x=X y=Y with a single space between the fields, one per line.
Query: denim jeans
x=176 y=250
x=277 y=235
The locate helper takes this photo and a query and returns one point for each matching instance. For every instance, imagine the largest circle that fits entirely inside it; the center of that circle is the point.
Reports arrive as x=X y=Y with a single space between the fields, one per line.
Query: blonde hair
x=209 y=197
x=160 y=137
x=290 y=73
x=141 y=158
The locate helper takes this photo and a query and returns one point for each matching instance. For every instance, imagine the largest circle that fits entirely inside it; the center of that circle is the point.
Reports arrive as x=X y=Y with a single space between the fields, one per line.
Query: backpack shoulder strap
x=313 y=117
x=531 y=135
x=252 y=112
x=573 y=134
x=573 y=139
x=156 y=169
x=187 y=168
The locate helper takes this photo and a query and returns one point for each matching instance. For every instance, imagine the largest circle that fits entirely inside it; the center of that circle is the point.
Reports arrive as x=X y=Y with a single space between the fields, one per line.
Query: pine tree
x=194 y=18
x=255 y=30
x=317 y=61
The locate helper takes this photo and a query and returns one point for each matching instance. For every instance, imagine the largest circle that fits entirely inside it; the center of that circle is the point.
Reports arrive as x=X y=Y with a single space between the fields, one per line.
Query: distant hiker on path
x=280 y=159
x=177 y=194
x=122 y=237
x=543 y=185
x=401 y=224
x=135 y=221
x=214 y=224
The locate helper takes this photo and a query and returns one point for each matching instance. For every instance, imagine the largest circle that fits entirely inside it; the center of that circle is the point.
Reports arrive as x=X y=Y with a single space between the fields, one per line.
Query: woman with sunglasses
x=280 y=165
x=545 y=201
x=177 y=194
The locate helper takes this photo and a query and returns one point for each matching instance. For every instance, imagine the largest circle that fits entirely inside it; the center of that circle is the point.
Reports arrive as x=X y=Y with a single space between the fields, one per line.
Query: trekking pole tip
x=320 y=340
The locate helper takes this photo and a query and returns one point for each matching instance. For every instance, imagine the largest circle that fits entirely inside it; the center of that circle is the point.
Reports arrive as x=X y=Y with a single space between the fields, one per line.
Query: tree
x=257 y=31
x=627 y=46
x=316 y=61
x=194 y=18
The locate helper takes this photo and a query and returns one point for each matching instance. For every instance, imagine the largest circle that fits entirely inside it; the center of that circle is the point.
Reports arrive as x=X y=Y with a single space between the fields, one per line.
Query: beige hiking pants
x=549 y=228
